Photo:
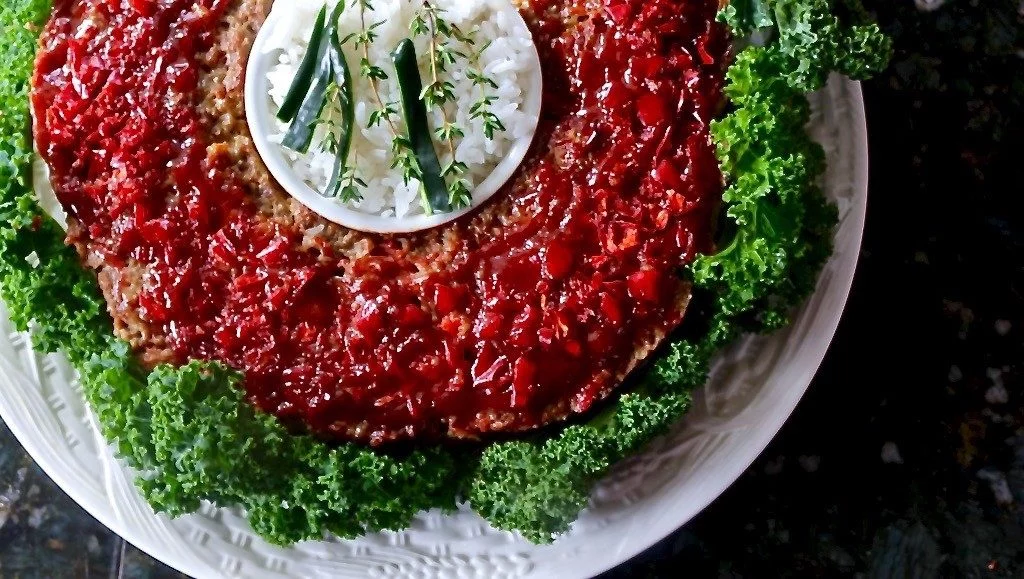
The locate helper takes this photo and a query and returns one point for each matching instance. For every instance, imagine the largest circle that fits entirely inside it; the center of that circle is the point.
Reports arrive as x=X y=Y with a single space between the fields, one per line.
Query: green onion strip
x=411 y=85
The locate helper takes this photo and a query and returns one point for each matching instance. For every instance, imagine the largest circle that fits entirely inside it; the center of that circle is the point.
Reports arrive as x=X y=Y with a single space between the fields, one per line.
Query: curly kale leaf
x=783 y=224
x=202 y=441
x=746 y=16
x=811 y=40
x=538 y=487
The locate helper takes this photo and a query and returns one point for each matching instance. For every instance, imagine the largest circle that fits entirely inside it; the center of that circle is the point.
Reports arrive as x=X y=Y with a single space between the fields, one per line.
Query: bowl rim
x=260 y=120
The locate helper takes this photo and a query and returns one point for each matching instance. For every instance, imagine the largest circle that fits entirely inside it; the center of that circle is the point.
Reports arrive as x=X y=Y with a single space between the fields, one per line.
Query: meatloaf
x=530 y=310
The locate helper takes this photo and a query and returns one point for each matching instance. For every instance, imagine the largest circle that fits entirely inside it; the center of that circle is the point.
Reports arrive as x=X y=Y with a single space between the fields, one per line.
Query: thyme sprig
x=351 y=191
x=332 y=143
x=481 y=109
x=344 y=183
x=403 y=156
x=429 y=21
x=367 y=35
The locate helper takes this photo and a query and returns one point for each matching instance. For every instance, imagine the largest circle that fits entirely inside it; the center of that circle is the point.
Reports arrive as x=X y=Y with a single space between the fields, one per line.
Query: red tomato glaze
x=524 y=325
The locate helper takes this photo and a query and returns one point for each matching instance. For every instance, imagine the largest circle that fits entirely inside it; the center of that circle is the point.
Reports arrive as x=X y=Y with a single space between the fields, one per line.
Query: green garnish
x=300 y=133
x=412 y=154
x=340 y=139
x=330 y=95
x=433 y=188
x=307 y=68
x=810 y=41
x=363 y=39
x=439 y=93
x=481 y=109
x=194 y=437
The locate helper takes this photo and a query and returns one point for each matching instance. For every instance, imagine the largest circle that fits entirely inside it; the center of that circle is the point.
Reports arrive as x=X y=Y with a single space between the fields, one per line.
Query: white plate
x=755 y=386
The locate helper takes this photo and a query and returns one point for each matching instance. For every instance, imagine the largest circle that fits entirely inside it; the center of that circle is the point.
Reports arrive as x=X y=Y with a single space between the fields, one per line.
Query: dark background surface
x=906 y=458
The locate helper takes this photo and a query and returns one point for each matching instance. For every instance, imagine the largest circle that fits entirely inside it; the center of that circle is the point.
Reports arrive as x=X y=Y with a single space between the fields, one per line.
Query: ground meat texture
x=528 y=311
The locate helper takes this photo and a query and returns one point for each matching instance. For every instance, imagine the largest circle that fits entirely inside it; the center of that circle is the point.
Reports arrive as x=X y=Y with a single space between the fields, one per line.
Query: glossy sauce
x=521 y=326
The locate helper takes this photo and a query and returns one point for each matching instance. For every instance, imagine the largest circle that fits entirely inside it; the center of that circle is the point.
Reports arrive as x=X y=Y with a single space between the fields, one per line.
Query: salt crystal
x=929 y=5
x=997 y=395
x=810 y=463
x=997 y=482
x=955 y=374
x=1003 y=327
x=891 y=453
x=36 y=517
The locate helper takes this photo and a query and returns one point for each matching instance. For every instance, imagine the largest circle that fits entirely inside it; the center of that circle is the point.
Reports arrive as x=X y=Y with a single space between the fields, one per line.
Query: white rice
x=507 y=61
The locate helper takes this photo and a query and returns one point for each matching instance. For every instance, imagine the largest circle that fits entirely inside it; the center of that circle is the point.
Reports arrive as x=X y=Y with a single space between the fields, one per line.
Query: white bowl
x=754 y=388
x=258 y=108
